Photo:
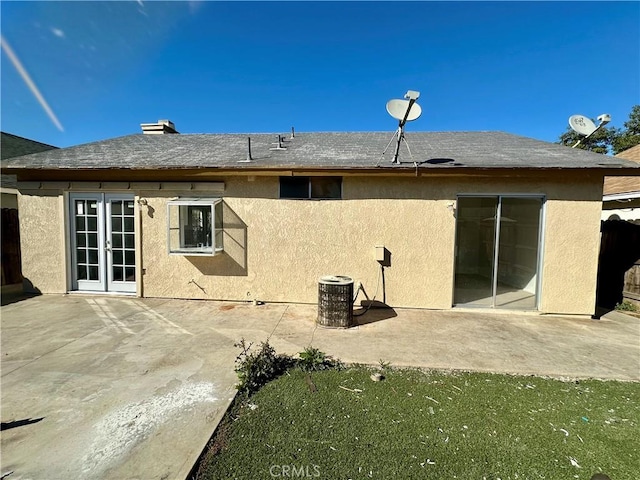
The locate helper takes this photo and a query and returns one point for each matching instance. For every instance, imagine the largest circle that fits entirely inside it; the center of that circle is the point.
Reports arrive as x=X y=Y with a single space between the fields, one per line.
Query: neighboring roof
x=617 y=185
x=15 y=146
x=632 y=153
x=345 y=150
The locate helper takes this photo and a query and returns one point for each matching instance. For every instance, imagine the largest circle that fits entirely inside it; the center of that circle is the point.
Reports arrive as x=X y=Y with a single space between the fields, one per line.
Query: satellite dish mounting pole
x=581 y=139
x=400 y=132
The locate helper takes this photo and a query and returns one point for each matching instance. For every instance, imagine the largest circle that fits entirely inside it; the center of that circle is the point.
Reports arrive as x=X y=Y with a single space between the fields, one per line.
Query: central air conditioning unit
x=335 y=301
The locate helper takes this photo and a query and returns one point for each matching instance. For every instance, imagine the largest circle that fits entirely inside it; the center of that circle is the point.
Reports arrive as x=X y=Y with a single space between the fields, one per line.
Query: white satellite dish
x=398 y=109
x=404 y=111
x=582 y=125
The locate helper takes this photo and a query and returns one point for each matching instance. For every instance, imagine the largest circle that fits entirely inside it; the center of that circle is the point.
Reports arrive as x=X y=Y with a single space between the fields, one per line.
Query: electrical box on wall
x=383 y=256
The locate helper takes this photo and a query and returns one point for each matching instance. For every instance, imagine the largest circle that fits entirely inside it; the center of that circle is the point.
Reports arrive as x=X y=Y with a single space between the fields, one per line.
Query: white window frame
x=216 y=232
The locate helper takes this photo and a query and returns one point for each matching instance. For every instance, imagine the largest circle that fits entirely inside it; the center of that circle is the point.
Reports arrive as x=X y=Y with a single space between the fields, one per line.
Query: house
x=466 y=219
x=619 y=269
x=621 y=195
x=13 y=146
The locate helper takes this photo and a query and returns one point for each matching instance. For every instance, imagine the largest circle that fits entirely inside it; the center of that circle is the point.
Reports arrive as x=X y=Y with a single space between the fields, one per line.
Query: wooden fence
x=631 y=289
x=619 y=263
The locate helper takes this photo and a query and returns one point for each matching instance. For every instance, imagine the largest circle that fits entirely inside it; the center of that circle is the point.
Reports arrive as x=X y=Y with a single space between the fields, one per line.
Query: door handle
x=107 y=246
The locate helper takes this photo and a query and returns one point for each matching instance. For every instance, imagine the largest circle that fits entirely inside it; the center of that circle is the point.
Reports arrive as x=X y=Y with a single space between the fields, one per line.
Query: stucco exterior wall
x=275 y=249
x=42 y=241
x=278 y=248
x=570 y=262
x=289 y=244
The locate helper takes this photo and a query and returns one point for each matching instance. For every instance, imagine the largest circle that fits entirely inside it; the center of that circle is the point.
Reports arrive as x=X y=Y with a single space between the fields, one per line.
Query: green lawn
x=430 y=425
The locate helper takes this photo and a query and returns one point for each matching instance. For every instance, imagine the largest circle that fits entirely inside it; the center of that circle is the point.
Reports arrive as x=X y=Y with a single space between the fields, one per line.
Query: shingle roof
x=344 y=150
x=15 y=146
x=632 y=153
x=614 y=185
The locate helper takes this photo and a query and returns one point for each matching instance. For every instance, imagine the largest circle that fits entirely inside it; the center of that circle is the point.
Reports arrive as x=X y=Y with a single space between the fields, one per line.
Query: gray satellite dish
x=398 y=109
x=582 y=125
x=404 y=111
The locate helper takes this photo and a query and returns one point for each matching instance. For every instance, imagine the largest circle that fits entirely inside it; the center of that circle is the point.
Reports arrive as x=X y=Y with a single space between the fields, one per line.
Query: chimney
x=163 y=126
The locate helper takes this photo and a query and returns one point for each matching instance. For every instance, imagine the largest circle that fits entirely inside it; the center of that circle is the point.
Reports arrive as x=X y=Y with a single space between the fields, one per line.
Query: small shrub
x=627 y=306
x=384 y=366
x=255 y=369
x=312 y=359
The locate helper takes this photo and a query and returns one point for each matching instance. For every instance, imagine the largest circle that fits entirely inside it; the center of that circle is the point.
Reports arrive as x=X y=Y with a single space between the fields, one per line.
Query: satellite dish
x=398 y=109
x=582 y=125
x=404 y=111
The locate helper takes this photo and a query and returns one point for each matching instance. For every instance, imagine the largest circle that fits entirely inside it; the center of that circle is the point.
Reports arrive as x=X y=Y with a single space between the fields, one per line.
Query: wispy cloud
x=29 y=82
x=57 y=32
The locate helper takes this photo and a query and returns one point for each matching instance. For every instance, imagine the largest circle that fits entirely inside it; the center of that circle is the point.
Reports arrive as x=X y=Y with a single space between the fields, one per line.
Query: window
x=195 y=226
x=311 y=187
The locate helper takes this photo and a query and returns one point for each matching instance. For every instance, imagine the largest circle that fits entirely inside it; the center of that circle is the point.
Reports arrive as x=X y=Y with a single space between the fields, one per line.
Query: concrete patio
x=129 y=388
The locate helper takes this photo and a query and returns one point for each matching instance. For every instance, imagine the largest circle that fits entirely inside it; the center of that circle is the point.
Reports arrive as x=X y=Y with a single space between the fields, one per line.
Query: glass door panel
x=475 y=250
x=87 y=241
x=121 y=255
x=518 y=245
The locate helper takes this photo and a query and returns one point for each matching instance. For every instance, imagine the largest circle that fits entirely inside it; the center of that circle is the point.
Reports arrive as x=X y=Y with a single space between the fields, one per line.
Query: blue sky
x=244 y=67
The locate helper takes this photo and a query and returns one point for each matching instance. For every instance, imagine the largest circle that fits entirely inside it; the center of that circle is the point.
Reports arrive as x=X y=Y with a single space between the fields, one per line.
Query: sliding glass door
x=497 y=251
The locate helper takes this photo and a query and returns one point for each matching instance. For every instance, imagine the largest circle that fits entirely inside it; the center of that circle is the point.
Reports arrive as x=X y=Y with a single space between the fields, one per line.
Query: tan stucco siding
x=570 y=263
x=571 y=244
x=275 y=249
x=290 y=243
x=42 y=241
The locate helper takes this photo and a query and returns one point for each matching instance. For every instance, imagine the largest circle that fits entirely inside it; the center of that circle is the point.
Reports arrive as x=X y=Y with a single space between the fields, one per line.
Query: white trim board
x=211 y=187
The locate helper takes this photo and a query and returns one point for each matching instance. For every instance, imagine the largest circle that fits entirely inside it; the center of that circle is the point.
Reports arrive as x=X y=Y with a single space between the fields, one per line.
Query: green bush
x=255 y=369
x=312 y=359
x=384 y=366
x=627 y=306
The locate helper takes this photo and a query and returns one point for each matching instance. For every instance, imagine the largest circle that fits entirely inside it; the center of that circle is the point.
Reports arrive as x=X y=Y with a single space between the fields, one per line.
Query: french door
x=497 y=258
x=103 y=243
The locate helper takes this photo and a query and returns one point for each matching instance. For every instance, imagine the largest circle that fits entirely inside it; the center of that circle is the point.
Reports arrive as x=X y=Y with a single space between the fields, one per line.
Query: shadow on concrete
x=376 y=312
x=9 y=298
x=18 y=292
x=601 y=312
x=19 y=423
